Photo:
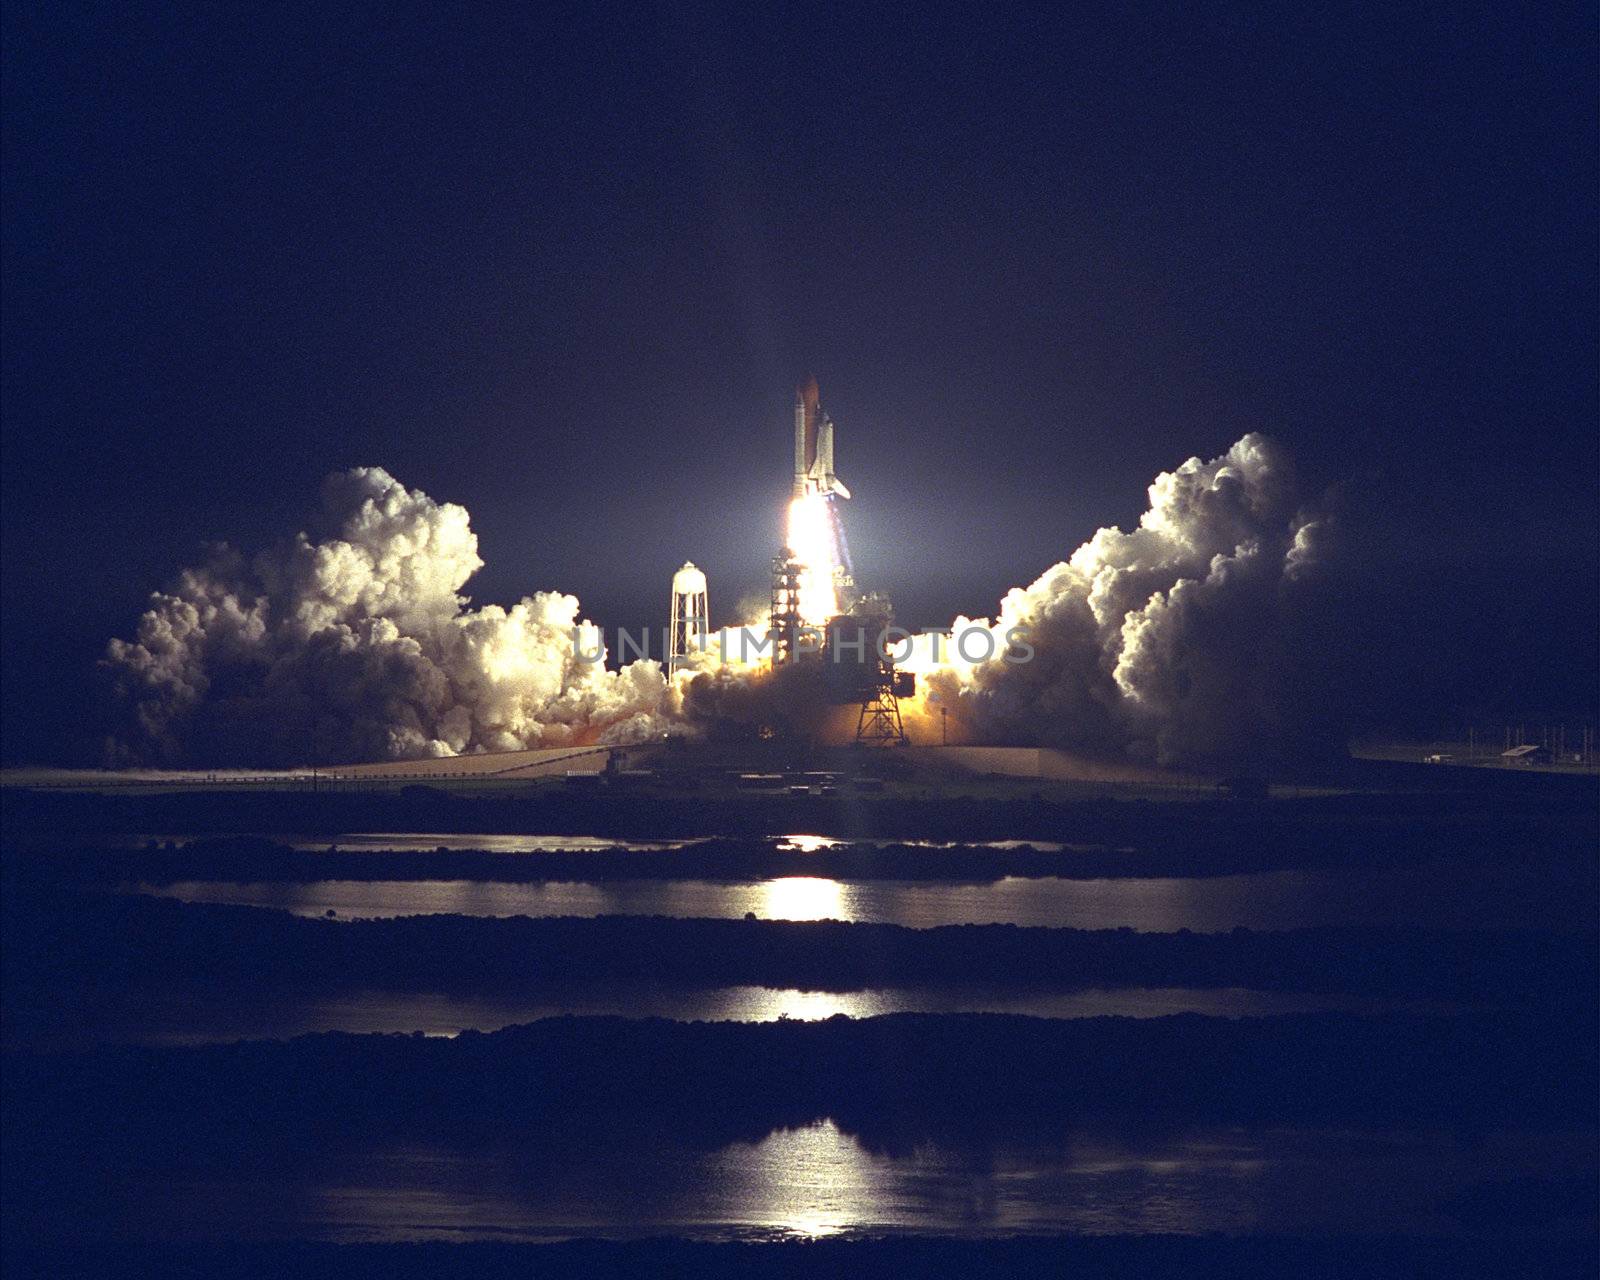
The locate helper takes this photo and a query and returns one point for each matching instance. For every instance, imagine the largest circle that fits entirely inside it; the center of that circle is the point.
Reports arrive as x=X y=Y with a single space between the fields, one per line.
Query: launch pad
x=849 y=649
x=817 y=615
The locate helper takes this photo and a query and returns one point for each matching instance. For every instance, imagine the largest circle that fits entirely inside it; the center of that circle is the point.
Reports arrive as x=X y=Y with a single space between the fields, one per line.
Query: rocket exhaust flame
x=810 y=537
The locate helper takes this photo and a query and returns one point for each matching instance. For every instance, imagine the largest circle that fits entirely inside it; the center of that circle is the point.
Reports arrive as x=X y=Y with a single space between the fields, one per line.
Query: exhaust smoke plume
x=360 y=647
x=1190 y=641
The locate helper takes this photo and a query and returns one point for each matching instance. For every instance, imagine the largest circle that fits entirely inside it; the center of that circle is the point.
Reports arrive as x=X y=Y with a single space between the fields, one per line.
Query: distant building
x=1532 y=753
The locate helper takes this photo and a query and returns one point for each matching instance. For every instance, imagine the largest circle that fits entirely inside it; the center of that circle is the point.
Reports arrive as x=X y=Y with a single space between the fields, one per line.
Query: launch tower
x=785 y=624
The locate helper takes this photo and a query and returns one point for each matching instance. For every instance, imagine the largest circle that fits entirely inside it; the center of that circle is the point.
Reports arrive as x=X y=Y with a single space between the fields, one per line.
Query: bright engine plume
x=812 y=539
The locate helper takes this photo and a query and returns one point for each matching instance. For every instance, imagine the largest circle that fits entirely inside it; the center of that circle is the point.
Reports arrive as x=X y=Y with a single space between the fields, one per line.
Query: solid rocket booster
x=813 y=445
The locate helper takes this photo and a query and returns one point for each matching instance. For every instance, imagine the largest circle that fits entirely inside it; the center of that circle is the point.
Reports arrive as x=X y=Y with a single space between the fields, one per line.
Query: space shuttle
x=813 y=445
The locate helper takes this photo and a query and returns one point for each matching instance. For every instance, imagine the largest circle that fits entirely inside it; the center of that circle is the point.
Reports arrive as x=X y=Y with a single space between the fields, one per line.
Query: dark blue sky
x=564 y=265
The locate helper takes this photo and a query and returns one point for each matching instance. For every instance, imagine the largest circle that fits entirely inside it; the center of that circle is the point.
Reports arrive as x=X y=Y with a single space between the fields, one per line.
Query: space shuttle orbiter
x=813 y=445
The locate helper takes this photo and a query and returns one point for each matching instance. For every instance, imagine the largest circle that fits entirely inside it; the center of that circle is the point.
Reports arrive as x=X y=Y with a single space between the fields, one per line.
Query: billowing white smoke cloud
x=1187 y=641
x=361 y=647
x=1194 y=640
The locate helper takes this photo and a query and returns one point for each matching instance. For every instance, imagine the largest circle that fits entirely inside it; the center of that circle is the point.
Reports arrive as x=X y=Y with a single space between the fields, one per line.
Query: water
x=819 y=1180
x=1436 y=895
x=811 y=844
x=822 y=1179
x=185 y=1018
x=427 y=842
x=414 y=842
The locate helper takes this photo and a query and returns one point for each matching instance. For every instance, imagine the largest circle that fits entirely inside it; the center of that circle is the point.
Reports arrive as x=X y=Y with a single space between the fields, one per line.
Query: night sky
x=564 y=264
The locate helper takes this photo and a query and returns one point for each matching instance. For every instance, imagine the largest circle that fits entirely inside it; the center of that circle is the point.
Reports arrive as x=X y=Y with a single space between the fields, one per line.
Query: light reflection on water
x=819 y=1180
x=499 y=842
x=813 y=1181
x=427 y=842
x=402 y=841
x=813 y=844
x=808 y=844
x=804 y=898
x=1510 y=896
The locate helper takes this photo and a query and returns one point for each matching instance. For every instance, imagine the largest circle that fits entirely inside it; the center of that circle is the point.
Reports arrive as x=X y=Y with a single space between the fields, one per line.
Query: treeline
x=902 y=1258
x=1499 y=807
x=973 y=1078
x=1192 y=854
x=102 y=942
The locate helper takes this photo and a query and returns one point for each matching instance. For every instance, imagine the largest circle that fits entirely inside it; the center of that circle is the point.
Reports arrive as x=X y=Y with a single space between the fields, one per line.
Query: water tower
x=691 y=617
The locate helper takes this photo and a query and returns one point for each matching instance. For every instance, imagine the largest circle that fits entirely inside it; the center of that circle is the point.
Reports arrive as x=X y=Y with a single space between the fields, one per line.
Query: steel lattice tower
x=879 y=723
